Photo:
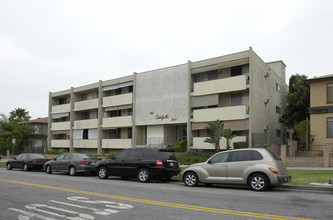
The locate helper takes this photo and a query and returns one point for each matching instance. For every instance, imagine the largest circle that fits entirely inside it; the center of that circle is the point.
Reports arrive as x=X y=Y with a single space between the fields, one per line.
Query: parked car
x=72 y=163
x=258 y=168
x=27 y=161
x=143 y=163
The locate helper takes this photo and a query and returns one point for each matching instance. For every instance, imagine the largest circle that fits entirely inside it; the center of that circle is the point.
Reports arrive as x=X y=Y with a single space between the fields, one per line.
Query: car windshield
x=83 y=156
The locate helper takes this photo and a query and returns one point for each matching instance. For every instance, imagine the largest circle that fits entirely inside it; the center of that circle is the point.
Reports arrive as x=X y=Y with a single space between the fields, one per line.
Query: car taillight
x=273 y=170
x=159 y=163
x=84 y=162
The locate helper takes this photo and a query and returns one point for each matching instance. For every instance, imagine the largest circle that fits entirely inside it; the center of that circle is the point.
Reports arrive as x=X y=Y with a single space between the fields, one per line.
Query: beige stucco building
x=164 y=106
x=321 y=108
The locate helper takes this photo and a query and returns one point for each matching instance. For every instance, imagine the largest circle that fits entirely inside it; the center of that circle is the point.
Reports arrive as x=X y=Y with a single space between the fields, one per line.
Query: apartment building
x=321 y=108
x=161 y=107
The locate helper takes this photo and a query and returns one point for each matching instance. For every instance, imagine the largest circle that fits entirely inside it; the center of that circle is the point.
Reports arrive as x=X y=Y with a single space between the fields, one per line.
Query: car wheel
x=144 y=175
x=48 y=169
x=258 y=182
x=9 y=167
x=191 y=179
x=103 y=172
x=25 y=167
x=72 y=171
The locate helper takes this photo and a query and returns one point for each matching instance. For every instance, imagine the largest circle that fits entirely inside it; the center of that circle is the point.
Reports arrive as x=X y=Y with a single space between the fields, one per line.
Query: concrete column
x=188 y=124
x=326 y=153
x=72 y=118
x=49 y=134
x=134 y=131
x=284 y=153
x=100 y=118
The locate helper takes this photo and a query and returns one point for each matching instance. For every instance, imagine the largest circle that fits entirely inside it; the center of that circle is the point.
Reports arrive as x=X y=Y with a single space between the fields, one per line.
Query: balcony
x=231 y=84
x=85 y=124
x=57 y=126
x=223 y=114
x=117 y=122
x=86 y=105
x=198 y=143
x=118 y=100
x=116 y=143
x=85 y=144
x=61 y=108
x=60 y=143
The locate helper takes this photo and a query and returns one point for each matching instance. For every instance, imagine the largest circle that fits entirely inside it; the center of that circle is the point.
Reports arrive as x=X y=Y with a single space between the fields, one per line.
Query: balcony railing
x=86 y=105
x=85 y=144
x=116 y=143
x=223 y=114
x=118 y=100
x=231 y=84
x=57 y=126
x=61 y=108
x=85 y=124
x=60 y=143
x=117 y=122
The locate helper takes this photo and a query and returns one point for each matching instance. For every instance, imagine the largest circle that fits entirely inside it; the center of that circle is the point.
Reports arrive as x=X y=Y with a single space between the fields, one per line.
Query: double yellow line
x=152 y=202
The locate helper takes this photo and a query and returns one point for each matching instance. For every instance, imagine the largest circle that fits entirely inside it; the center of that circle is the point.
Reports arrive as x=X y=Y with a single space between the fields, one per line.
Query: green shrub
x=239 y=145
x=181 y=146
x=194 y=156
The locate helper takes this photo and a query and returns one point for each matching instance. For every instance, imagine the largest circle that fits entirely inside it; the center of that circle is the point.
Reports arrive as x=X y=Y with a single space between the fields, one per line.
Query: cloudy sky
x=49 y=46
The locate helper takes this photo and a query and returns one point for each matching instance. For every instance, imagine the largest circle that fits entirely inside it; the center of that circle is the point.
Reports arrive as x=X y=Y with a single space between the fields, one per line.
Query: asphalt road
x=37 y=195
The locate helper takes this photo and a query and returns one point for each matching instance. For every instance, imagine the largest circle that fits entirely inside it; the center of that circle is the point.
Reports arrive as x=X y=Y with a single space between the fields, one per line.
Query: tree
x=16 y=126
x=298 y=101
x=19 y=115
x=215 y=129
x=229 y=136
x=300 y=131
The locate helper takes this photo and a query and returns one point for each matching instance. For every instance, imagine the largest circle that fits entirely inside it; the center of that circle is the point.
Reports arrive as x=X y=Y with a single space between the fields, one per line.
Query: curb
x=307 y=188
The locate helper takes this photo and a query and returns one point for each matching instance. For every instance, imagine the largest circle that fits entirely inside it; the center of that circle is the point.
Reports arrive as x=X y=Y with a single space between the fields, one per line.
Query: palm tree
x=19 y=114
x=215 y=129
x=229 y=136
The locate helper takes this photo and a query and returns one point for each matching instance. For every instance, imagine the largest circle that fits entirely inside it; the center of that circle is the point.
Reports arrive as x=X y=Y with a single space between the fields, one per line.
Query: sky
x=50 y=46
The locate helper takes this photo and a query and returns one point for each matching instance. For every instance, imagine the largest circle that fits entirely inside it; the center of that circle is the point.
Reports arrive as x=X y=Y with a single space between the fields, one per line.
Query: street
x=37 y=195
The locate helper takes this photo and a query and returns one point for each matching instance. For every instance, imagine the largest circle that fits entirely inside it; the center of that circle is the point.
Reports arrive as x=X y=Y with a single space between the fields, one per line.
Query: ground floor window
x=329 y=127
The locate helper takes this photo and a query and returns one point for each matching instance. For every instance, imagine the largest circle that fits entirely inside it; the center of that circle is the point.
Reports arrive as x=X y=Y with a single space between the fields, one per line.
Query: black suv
x=143 y=163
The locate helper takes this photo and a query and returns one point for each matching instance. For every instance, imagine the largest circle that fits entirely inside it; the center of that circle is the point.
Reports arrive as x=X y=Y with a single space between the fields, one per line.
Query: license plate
x=171 y=164
x=93 y=163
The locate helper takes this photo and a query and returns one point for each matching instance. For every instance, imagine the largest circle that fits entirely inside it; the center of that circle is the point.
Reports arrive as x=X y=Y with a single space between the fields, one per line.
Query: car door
x=56 y=164
x=117 y=163
x=17 y=162
x=215 y=169
x=66 y=162
x=239 y=164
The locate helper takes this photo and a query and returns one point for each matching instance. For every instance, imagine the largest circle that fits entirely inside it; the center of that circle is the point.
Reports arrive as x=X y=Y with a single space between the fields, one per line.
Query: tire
x=144 y=175
x=25 y=167
x=9 y=167
x=72 y=171
x=103 y=172
x=191 y=179
x=48 y=169
x=258 y=182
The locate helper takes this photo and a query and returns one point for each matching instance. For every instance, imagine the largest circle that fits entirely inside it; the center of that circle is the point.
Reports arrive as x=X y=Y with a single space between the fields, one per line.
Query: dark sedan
x=27 y=161
x=72 y=163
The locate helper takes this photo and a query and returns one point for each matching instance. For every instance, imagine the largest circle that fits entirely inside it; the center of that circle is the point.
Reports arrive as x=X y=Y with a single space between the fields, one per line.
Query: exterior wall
x=162 y=96
x=263 y=101
x=318 y=128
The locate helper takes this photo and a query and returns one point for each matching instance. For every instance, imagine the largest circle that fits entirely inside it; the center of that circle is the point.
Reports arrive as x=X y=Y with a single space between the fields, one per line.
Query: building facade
x=161 y=107
x=321 y=108
x=38 y=142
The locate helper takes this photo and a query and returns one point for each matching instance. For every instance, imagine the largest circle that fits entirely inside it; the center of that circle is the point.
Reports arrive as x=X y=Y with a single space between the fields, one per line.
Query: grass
x=305 y=177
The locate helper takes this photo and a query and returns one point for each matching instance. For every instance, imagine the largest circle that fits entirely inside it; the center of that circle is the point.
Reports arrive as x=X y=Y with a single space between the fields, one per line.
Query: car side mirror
x=209 y=162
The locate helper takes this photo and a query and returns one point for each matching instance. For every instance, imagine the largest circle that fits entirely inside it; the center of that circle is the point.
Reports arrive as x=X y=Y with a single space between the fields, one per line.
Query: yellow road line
x=152 y=202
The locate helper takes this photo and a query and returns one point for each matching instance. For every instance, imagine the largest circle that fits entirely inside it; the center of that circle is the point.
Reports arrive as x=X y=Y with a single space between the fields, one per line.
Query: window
x=129 y=133
x=236 y=99
x=85 y=115
x=278 y=87
x=85 y=133
x=220 y=158
x=130 y=89
x=278 y=110
x=62 y=101
x=240 y=156
x=84 y=96
x=329 y=128
x=278 y=133
x=122 y=155
x=255 y=155
x=329 y=90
